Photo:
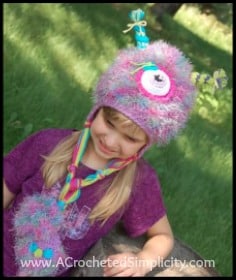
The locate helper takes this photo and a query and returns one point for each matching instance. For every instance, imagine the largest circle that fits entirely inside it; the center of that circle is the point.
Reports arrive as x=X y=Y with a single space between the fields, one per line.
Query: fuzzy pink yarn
x=161 y=117
x=38 y=220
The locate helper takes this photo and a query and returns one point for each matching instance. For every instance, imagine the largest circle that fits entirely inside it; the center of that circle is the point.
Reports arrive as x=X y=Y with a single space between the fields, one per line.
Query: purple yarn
x=38 y=220
x=161 y=117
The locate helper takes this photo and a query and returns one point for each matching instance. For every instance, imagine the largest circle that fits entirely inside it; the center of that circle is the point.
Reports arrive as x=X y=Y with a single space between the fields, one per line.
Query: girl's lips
x=104 y=149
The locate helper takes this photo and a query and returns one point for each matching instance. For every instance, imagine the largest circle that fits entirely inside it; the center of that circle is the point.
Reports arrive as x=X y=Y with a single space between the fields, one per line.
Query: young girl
x=65 y=189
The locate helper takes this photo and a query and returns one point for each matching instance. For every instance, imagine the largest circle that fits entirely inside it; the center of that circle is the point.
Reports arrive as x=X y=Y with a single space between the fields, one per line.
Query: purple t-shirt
x=22 y=174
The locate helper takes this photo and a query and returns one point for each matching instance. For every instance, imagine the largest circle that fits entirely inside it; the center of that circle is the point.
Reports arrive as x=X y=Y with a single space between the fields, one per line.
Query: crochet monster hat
x=150 y=84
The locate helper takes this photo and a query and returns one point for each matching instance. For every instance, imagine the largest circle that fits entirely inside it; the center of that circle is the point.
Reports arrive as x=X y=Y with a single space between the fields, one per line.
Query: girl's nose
x=111 y=141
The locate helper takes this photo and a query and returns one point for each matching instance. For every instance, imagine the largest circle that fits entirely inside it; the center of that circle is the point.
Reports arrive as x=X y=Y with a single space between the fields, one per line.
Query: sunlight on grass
x=79 y=69
x=57 y=42
x=71 y=56
x=205 y=26
x=218 y=161
x=215 y=108
x=31 y=52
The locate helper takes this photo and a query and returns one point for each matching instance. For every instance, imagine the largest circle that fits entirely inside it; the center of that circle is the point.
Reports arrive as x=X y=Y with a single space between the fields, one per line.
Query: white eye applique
x=155 y=82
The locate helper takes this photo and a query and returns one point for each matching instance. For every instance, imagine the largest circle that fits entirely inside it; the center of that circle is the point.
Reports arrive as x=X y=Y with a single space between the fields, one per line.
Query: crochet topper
x=137 y=17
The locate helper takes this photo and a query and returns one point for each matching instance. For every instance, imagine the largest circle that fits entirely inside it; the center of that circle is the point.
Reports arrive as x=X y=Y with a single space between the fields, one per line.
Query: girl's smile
x=112 y=138
x=104 y=149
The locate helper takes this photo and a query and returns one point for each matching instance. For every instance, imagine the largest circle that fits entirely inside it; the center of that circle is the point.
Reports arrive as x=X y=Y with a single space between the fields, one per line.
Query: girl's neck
x=91 y=159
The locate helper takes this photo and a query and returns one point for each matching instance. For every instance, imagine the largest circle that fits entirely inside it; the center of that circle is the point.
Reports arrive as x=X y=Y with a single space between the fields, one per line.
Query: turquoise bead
x=48 y=253
x=33 y=247
x=61 y=204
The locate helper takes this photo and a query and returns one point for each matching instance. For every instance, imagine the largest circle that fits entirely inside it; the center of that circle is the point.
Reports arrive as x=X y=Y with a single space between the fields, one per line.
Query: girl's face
x=115 y=136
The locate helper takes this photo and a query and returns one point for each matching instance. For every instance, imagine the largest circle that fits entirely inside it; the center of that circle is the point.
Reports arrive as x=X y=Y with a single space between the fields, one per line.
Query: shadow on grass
x=200 y=137
x=196 y=189
x=38 y=100
x=102 y=19
x=223 y=11
x=204 y=56
x=99 y=16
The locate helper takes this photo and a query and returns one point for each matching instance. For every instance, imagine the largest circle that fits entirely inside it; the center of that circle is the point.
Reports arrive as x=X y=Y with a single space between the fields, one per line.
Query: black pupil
x=158 y=78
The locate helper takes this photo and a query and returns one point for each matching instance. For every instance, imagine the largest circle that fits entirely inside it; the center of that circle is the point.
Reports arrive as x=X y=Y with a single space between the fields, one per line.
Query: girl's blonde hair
x=119 y=190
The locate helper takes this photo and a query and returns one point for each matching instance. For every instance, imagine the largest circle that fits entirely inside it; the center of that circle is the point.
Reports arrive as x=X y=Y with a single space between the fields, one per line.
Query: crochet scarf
x=39 y=218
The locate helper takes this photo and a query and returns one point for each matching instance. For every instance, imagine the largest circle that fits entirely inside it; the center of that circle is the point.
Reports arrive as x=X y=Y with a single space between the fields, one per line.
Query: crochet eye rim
x=164 y=96
x=155 y=82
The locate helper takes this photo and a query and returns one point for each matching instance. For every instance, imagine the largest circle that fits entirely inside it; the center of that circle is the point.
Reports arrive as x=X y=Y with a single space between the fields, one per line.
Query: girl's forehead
x=124 y=124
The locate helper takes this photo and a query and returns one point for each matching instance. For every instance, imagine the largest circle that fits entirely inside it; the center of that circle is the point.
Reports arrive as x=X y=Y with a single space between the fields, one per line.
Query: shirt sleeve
x=26 y=158
x=146 y=205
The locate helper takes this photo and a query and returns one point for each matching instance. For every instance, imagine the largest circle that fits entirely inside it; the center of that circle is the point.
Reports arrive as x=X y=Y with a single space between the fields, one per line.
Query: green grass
x=53 y=57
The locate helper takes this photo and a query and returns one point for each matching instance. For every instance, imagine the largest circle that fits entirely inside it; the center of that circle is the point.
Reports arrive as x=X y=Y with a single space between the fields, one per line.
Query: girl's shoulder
x=53 y=132
x=49 y=137
x=145 y=168
x=41 y=141
x=146 y=174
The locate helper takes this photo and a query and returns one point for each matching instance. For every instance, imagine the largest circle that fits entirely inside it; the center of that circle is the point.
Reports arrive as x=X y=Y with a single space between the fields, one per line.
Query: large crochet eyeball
x=155 y=82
